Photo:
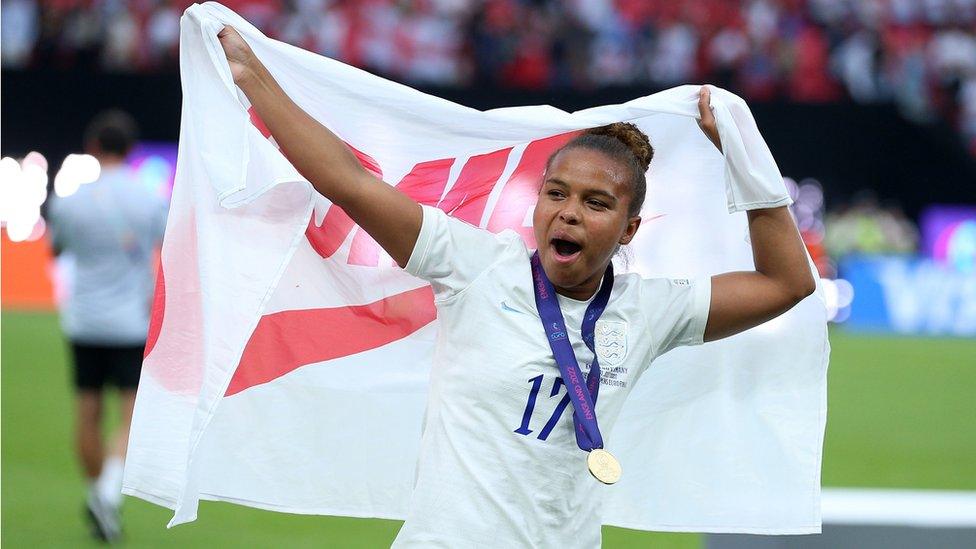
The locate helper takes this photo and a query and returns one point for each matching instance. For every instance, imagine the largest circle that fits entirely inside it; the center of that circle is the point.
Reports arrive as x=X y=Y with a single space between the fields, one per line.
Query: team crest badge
x=611 y=342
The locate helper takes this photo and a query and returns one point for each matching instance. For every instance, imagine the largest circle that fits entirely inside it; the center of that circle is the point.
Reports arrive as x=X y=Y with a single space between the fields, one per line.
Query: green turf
x=900 y=416
x=901 y=413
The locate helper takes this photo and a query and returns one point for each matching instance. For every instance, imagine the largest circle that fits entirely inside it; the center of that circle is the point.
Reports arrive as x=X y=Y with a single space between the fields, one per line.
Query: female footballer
x=512 y=453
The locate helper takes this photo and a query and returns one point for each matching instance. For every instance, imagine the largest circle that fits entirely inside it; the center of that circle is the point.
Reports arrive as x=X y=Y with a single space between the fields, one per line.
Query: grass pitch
x=900 y=416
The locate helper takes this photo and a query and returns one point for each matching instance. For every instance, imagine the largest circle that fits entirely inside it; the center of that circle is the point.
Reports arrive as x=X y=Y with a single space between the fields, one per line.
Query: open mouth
x=565 y=249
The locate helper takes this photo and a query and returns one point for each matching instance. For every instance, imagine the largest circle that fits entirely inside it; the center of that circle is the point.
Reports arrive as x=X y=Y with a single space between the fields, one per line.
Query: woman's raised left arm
x=742 y=300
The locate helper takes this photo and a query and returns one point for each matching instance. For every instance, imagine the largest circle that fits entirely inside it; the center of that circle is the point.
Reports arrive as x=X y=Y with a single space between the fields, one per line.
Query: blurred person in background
x=867 y=227
x=108 y=232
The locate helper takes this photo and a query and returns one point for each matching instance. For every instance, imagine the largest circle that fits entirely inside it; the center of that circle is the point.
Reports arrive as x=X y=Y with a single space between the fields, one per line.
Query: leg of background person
x=127 y=401
x=88 y=437
x=91 y=450
x=110 y=481
x=90 y=368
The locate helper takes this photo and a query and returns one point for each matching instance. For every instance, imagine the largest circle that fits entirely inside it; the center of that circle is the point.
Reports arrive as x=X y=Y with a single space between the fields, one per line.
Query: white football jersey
x=499 y=465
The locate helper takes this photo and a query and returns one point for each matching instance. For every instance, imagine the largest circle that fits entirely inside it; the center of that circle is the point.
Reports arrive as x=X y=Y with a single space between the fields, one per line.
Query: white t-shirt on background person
x=499 y=465
x=108 y=230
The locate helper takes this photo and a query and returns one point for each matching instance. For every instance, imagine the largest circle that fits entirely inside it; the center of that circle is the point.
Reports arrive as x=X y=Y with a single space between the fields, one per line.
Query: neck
x=583 y=291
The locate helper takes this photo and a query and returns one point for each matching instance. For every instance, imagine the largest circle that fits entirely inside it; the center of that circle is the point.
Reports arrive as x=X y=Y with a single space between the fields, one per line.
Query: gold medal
x=603 y=466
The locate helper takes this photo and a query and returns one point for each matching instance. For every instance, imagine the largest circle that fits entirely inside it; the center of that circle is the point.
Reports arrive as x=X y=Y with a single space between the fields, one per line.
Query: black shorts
x=100 y=365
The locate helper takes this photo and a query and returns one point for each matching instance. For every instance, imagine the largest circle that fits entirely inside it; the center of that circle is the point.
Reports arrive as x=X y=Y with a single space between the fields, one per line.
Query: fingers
x=233 y=44
x=228 y=32
x=222 y=37
x=704 y=109
x=706 y=118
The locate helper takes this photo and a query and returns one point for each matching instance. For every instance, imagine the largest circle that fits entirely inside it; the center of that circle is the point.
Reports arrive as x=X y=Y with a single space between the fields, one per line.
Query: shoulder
x=451 y=253
x=61 y=205
x=633 y=282
x=675 y=309
x=662 y=301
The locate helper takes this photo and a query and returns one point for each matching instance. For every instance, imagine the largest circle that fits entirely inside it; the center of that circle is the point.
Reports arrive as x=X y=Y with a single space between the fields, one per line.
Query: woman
x=501 y=461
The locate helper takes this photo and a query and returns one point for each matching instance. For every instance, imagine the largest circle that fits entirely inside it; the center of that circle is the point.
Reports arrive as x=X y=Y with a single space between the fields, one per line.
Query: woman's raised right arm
x=392 y=218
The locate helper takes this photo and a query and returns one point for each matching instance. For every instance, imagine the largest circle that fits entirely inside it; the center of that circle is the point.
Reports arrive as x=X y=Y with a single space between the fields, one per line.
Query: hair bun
x=631 y=136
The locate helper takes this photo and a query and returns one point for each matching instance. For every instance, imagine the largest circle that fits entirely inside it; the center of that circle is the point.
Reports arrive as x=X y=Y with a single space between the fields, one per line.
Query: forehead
x=589 y=168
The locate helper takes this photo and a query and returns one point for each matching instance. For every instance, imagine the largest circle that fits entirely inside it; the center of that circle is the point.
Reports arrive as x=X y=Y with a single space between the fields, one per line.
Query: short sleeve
x=677 y=310
x=451 y=254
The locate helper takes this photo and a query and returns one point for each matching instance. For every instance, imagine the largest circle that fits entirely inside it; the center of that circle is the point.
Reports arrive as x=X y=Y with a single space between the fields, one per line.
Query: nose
x=569 y=214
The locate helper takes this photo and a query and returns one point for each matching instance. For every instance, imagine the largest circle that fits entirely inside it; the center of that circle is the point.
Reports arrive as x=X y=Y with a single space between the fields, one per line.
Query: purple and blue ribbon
x=582 y=395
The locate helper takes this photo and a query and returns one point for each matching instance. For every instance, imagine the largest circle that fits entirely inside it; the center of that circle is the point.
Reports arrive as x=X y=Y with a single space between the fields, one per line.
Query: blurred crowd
x=861 y=226
x=920 y=54
x=868 y=227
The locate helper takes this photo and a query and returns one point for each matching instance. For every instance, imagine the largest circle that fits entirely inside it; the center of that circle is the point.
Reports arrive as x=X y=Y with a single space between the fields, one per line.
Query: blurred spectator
x=107 y=232
x=18 y=31
x=867 y=227
x=163 y=34
x=919 y=53
x=967 y=116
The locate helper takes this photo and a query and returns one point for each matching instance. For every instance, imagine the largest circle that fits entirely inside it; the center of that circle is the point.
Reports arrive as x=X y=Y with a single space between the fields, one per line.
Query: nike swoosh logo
x=506 y=307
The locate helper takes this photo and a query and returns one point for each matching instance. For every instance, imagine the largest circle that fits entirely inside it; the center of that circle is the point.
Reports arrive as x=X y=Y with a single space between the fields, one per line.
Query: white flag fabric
x=288 y=357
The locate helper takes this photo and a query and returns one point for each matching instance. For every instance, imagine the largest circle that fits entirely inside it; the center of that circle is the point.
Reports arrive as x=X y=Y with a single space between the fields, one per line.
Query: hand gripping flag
x=281 y=331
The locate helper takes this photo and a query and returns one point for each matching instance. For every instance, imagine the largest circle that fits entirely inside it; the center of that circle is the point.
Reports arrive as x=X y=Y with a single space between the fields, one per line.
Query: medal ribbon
x=583 y=397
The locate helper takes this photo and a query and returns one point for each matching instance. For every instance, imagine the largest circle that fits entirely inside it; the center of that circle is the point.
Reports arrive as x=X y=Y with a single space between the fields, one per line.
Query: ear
x=632 y=225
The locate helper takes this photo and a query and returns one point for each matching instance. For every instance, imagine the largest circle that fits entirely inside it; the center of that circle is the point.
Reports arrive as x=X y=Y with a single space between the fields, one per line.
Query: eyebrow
x=600 y=192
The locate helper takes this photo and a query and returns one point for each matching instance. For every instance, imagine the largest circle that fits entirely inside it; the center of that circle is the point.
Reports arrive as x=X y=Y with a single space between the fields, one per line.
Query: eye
x=555 y=193
x=600 y=205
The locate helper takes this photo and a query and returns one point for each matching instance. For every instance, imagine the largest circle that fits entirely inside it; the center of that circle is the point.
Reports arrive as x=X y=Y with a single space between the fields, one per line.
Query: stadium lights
x=76 y=170
x=23 y=188
x=838 y=296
